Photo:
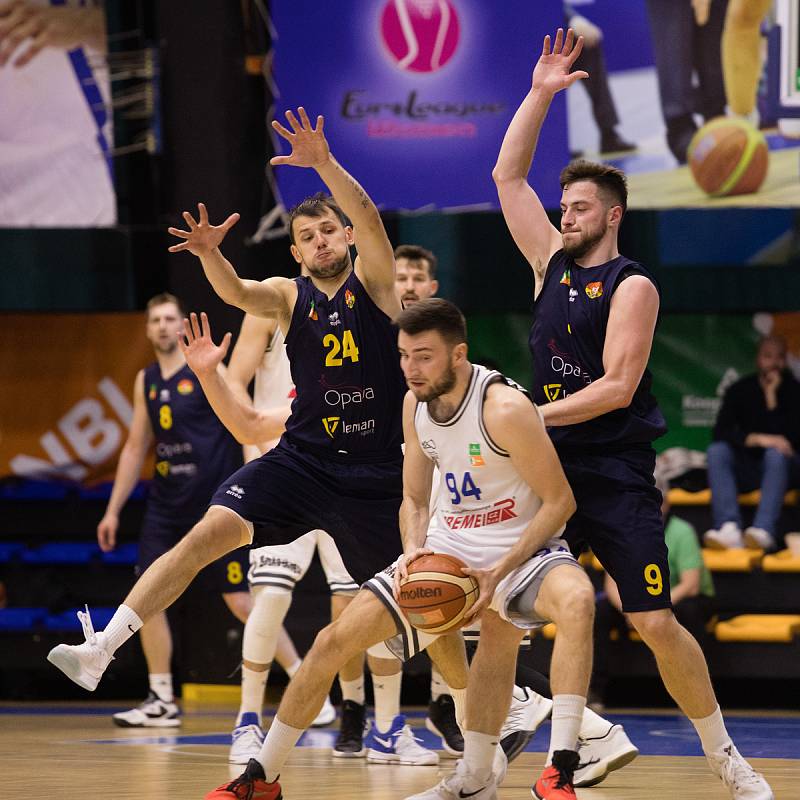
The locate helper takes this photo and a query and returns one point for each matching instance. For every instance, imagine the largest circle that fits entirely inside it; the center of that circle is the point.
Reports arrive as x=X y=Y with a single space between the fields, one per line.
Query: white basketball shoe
x=458 y=785
x=738 y=777
x=603 y=754
x=83 y=663
x=528 y=711
x=728 y=536
x=152 y=713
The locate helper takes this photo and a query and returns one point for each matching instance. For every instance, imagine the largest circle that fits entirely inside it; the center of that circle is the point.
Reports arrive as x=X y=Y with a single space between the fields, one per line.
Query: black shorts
x=227 y=574
x=290 y=491
x=619 y=517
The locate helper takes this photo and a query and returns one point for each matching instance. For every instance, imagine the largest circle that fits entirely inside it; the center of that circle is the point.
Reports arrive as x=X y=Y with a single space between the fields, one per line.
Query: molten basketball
x=437 y=595
x=728 y=156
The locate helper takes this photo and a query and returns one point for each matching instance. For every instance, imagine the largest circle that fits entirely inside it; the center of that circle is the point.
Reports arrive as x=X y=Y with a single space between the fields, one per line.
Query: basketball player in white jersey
x=502 y=504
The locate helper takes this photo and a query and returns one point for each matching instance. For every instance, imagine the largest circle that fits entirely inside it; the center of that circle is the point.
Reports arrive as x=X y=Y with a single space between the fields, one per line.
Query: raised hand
x=202 y=237
x=309 y=146
x=202 y=355
x=552 y=71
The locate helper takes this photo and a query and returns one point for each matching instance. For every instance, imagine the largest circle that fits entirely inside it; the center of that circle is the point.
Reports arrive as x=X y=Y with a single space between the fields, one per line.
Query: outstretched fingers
x=195 y=325
x=557 y=47
x=284 y=132
x=296 y=127
x=205 y=325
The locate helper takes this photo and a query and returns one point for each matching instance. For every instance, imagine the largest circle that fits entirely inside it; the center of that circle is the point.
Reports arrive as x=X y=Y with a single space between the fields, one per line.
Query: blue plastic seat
x=21 y=619
x=10 y=550
x=62 y=553
x=68 y=620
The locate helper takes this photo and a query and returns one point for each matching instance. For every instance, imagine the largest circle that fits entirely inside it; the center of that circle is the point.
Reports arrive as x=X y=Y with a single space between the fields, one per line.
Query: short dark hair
x=162 y=299
x=434 y=314
x=773 y=338
x=608 y=179
x=413 y=252
x=315 y=206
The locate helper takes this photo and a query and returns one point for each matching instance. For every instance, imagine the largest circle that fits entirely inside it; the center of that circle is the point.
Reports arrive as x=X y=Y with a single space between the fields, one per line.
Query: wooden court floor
x=82 y=755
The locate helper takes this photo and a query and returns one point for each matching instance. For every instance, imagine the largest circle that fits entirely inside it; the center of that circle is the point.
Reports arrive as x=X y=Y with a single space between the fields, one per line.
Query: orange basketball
x=437 y=595
x=728 y=156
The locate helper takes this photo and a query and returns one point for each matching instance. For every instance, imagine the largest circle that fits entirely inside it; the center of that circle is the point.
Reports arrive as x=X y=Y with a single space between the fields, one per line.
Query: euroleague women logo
x=420 y=35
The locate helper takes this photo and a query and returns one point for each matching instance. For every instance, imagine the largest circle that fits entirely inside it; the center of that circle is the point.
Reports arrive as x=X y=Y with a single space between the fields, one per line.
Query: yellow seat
x=680 y=497
x=785 y=561
x=759 y=628
x=549 y=631
x=738 y=559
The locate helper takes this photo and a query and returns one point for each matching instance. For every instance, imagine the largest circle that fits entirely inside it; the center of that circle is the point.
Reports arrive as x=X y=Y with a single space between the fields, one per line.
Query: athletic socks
x=120 y=628
x=386 y=689
x=711 y=730
x=353 y=690
x=460 y=702
x=438 y=685
x=161 y=686
x=253 y=683
x=292 y=669
x=479 y=752
x=565 y=721
x=280 y=741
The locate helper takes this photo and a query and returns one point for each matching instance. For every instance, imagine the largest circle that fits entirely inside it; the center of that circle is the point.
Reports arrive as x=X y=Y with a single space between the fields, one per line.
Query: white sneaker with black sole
x=528 y=711
x=152 y=713
x=603 y=754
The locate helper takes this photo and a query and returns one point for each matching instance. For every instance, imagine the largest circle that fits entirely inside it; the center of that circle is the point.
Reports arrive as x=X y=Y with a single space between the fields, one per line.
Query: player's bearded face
x=428 y=387
x=327 y=265
x=578 y=243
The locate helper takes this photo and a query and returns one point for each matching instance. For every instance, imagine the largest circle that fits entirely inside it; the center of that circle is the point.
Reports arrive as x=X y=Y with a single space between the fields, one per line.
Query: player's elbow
x=503 y=176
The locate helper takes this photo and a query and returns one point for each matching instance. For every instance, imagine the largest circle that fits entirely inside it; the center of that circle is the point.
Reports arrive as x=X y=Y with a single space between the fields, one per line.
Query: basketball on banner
x=420 y=35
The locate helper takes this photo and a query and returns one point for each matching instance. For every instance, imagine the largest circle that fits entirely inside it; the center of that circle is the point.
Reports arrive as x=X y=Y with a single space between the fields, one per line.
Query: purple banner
x=416 y=94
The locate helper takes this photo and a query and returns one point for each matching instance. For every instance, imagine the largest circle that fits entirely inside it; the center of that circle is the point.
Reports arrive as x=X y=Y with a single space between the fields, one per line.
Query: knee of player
x=655 y=626
x=576 y=609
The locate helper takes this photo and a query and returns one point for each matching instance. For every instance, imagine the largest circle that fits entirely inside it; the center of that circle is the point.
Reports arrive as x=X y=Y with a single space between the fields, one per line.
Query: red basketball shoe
x=555 y=783
x=250 y=785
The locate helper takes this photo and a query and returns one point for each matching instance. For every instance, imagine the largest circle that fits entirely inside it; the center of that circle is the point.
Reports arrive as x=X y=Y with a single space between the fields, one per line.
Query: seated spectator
x=691 y=592
x=756 y=440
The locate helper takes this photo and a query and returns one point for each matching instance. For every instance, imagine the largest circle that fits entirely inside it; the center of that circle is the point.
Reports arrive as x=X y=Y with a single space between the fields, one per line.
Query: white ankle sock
x=593 y=726
x=253 y=683
x=479 y=751
x=292 y=669
x=120 y=628
x=161 y=686
x=386 y=689
x=280 y=741
x=353 y=690
x=711 y=730
x=438 y=685
x=460 y=702
x=565 y=723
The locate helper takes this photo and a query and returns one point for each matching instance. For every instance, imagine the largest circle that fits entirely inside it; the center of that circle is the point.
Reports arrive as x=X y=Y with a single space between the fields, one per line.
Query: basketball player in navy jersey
x=594 y=317
x=337 y=467
x=193 y=454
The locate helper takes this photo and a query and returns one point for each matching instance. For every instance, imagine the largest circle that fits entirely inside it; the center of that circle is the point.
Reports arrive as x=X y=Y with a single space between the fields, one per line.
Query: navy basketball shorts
x=619 y=518
x=227 y=574
x=290 y=491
